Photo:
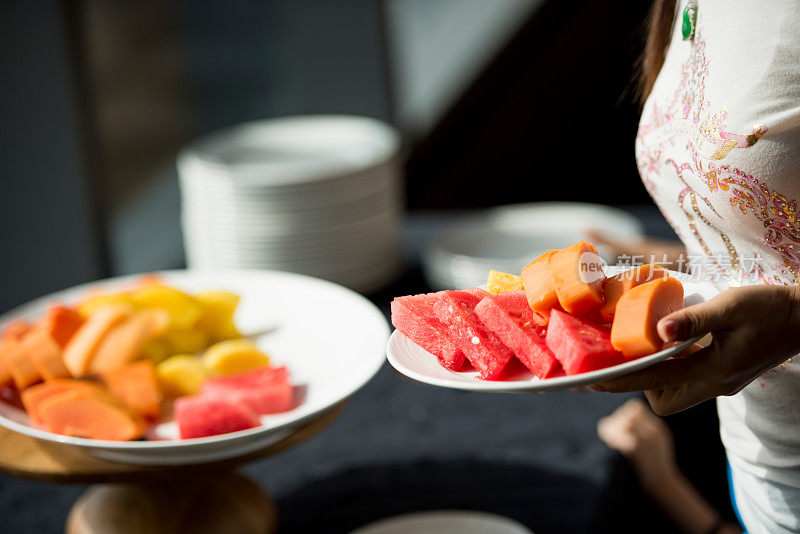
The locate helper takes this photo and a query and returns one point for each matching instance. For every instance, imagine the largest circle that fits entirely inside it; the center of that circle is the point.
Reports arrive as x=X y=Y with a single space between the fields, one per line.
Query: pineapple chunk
x=184 y=311
x=217 y=318
x=156 y=349
x=500 y=282
x=181 y=375
x=186 y=340
x=234 y=356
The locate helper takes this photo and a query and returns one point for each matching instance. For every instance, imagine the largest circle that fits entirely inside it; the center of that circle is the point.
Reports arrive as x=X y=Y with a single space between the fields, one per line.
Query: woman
x=718 y=148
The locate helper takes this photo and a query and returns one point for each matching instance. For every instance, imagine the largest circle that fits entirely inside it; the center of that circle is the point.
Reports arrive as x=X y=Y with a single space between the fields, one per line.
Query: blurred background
x=496 y=102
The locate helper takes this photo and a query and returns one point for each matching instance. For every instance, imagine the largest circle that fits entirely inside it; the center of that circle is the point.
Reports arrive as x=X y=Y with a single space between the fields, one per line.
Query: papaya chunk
x=135 y=384
x=45 y=353
x=633 y=331
x=89 y=414
x=5 y=375
x=15 y=330
x=18 y=364
x=33 y=396
x=539 y=289
x=615 y=286
x=124 y=342
x=61 y=323
x=81 y=348
x=578 y=279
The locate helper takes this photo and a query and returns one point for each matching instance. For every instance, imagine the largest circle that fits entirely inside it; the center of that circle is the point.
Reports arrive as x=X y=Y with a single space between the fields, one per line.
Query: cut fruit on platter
x=573 y=323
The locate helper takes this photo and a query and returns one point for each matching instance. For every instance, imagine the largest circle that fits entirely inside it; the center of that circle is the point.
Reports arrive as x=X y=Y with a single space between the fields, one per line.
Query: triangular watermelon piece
x=264 y=391
x=414 y=316
x=199 y=416
x=511 y=319
x=255 y=378
x=482 y=348
x=580 y=345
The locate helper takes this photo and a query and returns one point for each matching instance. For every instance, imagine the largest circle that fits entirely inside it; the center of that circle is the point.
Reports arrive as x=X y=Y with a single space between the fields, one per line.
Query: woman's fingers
x=714 y=314
x=671 y=400
x=666 y=374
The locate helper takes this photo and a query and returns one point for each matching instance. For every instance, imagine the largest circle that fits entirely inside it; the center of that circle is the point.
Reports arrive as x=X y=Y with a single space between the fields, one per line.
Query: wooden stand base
x=212 y=503
x=133 y=499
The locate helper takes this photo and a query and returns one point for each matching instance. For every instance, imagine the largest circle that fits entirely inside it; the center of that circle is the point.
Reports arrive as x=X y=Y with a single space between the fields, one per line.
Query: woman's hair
x=658 y=29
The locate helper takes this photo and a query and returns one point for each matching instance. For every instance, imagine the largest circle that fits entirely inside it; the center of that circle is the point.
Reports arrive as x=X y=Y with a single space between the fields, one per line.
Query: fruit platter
x=184 y=367
x=565 y=321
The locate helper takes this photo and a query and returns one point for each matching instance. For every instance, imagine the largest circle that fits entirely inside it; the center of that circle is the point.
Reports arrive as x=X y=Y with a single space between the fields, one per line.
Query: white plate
x=414 y=362
x=292 y=151
x=508 y=237
x=445 y=522
x=331 y=339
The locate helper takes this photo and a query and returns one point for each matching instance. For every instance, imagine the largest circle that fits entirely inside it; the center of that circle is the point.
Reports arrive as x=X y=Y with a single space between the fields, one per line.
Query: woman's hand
x=754 y=329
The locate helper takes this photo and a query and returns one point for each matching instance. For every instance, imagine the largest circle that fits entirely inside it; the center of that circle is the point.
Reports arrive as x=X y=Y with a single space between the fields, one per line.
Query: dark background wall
x=550 y=119
x=123 y=85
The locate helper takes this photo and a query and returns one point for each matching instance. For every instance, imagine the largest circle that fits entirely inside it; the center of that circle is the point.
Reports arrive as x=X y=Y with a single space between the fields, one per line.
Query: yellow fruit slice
x=184 y=311
x=91 y=304
x=157 y=349
x=500 y=282
x=234 y=356
x=181 y=375
x=186 y=340
x=217 y=317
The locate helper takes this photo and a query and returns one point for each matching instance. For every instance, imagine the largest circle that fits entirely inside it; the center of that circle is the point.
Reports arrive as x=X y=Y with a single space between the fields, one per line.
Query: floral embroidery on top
x=774 y=211
x=686 y=115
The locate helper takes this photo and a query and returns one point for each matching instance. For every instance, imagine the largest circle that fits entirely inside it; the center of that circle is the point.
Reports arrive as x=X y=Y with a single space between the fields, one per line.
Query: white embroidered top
x=718 y=148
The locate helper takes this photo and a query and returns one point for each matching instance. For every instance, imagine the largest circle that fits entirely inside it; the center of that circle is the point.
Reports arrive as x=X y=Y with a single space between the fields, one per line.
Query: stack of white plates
x=317 y=195
x=506 y=238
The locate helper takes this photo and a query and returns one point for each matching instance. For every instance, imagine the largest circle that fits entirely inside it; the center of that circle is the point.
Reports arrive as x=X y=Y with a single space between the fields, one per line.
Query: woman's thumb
x=692 y=321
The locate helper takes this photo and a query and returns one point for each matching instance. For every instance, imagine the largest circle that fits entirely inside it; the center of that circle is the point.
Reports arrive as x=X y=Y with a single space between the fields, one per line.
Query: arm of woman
x=646 y=441
x=753 y=328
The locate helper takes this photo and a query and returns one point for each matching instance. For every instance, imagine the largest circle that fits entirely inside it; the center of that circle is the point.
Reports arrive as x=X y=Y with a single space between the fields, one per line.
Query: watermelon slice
x=200 y=416
x=510 y=317
x=250 y=379
x=482 y=348
x=414 y=316
x=580 y=345
x=264 y=391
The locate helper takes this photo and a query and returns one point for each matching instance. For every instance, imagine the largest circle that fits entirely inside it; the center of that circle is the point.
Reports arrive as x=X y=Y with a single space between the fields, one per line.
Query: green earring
x=689 y=20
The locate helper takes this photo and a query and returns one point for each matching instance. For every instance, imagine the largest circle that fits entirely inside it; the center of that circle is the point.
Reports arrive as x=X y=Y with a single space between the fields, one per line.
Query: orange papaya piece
x=578 y=279
x=33 y=396
x=615 y=286
x=89 y=414
x=538 y=285
x=18 y=364
x=5 y=375
x=136 y=385
x=61 y=323
x=125 y=341
x=633 y=331
x=81 y=348
x=15 y=330
x=45 y=353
